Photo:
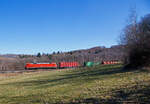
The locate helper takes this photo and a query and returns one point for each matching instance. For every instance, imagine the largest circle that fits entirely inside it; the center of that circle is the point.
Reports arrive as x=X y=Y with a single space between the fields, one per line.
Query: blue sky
x=32 y=26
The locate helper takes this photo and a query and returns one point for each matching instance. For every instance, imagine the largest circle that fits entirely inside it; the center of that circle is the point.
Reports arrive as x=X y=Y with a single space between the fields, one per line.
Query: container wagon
x=68 y=64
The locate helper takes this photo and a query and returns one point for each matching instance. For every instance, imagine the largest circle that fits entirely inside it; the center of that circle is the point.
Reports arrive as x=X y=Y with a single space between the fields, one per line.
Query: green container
x=89 y=64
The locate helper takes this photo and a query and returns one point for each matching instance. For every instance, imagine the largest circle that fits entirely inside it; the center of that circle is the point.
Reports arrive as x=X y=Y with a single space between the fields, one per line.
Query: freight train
x=52 y=65
x=62 y=65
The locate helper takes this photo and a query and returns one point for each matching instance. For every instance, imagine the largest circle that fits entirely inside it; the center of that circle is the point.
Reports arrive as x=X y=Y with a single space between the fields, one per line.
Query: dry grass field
x=101 y=84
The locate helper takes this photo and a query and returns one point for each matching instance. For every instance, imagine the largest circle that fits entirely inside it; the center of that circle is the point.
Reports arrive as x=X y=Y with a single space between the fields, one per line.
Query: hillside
x=101 y=84
x=95 y=54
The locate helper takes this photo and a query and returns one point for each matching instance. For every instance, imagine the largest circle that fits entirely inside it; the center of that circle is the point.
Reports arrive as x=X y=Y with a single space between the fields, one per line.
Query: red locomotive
x=40 y=65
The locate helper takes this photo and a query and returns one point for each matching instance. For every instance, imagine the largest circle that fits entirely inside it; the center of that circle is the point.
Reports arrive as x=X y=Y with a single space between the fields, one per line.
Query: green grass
x=101 y=84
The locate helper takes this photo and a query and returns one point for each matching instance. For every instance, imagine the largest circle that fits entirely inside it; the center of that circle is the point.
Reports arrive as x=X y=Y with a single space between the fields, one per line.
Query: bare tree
x=136 y=39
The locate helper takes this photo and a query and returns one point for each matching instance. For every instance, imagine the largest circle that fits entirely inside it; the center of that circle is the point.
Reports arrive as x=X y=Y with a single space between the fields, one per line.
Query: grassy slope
x=100 y=84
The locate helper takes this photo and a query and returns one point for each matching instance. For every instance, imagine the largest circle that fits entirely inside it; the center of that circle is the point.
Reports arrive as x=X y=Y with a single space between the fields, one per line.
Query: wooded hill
x=95 y=54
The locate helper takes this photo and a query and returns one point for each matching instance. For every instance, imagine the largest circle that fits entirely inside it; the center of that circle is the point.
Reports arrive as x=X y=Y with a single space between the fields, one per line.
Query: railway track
x=16 y=71
x=33 y=70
